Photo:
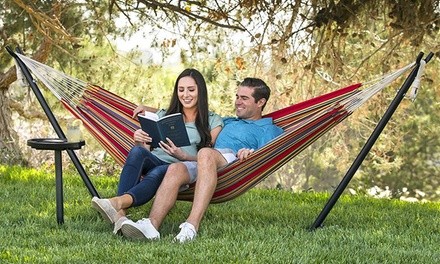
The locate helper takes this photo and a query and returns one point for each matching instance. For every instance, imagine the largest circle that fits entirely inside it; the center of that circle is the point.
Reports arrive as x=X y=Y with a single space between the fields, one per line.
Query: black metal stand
x=53 y=121
x=58 y=145
x=370 y=142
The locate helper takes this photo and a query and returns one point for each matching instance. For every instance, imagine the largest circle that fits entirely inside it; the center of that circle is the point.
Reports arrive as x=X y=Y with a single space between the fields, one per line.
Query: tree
x=303 y=48
x=48 y=30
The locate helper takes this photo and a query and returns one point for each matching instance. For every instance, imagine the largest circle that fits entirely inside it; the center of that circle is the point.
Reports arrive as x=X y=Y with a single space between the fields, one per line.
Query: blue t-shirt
x=253 y=134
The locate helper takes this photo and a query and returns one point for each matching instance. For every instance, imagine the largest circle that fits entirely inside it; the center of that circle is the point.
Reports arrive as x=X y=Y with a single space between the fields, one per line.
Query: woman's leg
x=145 y=190
x=139 y=161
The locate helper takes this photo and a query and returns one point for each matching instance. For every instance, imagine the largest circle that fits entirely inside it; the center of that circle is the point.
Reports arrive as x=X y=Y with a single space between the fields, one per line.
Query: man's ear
x=261 y=102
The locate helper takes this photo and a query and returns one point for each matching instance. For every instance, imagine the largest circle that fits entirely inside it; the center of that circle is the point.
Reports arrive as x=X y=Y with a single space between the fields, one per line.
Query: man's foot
x=187 y=233
x=105 y=208
x=142 y=229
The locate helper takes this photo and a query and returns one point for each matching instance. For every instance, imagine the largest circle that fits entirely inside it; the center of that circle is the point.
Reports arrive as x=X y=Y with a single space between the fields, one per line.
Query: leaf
x=239 y=63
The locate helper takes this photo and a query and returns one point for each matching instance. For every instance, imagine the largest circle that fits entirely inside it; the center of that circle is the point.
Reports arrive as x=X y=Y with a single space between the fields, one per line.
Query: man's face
x=245 y=105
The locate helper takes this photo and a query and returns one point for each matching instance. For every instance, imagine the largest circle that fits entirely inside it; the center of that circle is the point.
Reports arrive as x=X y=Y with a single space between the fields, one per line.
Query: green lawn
x=261 y=226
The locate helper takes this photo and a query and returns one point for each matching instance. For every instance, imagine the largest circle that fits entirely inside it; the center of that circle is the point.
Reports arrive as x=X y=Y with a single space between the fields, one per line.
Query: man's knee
x=210 y=157
x=176 y=174
x=207 y=154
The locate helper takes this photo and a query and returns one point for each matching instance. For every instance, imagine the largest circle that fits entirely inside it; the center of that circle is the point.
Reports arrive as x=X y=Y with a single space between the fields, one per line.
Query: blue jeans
x=141 y=175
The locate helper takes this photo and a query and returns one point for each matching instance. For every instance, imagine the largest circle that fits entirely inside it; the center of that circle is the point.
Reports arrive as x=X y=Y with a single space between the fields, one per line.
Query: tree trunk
x=9 y=150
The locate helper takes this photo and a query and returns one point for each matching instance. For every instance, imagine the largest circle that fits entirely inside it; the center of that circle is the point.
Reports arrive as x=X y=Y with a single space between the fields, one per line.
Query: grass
x=261 y=226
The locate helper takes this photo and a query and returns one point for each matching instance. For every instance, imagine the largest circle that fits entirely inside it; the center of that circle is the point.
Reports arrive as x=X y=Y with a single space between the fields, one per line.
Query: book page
x=170 y=116
x=150 y=115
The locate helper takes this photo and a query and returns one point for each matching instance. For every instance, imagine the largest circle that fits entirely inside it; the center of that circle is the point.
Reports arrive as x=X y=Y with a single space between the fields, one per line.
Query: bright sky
x=142 y=41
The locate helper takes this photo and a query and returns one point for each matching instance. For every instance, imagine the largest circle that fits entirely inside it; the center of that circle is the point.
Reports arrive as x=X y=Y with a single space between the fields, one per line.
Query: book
x=170 y=126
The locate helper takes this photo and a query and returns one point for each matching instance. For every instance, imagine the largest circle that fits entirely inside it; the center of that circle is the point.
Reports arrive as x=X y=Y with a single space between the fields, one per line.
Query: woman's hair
x=202 y=121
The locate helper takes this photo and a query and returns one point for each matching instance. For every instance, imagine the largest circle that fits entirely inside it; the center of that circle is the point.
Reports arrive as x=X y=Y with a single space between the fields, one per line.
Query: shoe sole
x=102 y=211
x=118 y=225
x=132 y=232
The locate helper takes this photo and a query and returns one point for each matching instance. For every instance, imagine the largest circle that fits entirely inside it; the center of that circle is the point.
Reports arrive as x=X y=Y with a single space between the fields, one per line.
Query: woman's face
x=187 y=91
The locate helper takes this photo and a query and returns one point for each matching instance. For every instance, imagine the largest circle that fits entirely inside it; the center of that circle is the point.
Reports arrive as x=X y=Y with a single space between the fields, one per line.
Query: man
x=238 y=139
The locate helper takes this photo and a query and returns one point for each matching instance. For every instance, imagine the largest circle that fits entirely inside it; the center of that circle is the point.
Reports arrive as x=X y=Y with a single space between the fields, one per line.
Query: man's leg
x=166 y=196
x=208 y=162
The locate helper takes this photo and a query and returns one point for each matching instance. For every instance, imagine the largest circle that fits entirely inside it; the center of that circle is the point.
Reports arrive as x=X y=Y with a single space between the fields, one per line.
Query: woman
x=144 y=167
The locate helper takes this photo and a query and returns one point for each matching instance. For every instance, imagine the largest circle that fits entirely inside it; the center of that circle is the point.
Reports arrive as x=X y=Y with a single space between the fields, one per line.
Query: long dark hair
x=202 y=122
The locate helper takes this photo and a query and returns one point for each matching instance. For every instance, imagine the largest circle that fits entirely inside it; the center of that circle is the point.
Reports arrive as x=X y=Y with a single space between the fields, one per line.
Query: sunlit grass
x=261 y=226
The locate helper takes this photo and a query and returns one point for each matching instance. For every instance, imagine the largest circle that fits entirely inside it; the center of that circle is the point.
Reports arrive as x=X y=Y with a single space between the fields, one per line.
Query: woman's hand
x=141 y=136
x=243 y=153
x=172 y=150
x=139 y=109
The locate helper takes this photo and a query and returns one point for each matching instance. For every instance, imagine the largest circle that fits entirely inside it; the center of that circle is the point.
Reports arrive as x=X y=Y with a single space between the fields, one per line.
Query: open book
x=169 y=126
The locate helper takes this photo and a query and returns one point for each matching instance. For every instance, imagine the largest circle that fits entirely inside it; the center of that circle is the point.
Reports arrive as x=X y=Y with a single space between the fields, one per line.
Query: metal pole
x=54 y=122
x=59 y=186
x=370 y=142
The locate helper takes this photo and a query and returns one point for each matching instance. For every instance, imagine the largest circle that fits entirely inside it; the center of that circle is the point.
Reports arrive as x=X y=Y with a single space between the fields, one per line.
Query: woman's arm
x=142 y=108
x=182 y=155
x=214 y=134
x=142 y=138
x=176 y=152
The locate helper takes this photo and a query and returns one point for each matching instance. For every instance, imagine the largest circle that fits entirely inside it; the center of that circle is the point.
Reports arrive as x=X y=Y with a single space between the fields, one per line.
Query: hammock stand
x=296 y=148
x=56 y=126
x=370 y=142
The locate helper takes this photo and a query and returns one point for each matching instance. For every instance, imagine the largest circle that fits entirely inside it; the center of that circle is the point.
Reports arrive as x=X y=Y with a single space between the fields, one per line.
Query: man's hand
x=243 y=153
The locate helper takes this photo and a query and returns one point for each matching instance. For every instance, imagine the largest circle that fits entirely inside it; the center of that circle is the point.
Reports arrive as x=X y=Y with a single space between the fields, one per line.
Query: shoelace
x=144 y=221
x=187 y=232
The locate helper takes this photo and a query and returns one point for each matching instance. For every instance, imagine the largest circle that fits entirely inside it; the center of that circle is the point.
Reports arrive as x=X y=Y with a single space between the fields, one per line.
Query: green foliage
x=301 y=49
x=261 y=226
x=63 y=23
x=413 y=161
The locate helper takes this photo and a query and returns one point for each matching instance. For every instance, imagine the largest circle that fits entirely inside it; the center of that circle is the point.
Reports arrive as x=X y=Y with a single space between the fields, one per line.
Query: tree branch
x=166 y=6
x=41 y=55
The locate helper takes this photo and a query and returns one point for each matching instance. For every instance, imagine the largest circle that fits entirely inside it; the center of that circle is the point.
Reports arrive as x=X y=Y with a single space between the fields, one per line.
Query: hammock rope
x=108 y=118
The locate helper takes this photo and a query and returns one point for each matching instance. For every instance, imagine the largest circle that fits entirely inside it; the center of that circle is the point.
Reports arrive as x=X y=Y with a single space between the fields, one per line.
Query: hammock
x=108 y=117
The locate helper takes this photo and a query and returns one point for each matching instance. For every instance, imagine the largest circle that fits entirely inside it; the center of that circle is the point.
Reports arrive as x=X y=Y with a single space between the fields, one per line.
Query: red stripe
x=314 y=101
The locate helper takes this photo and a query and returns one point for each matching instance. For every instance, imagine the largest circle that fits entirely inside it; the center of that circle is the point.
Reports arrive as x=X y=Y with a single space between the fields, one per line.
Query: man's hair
x=261 y=90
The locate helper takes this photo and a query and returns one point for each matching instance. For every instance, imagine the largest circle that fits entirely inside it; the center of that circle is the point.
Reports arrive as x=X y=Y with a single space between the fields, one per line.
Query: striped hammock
x=108 y=118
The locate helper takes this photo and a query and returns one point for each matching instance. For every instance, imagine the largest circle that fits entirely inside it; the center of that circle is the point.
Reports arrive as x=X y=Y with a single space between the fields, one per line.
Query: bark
x=9 y=150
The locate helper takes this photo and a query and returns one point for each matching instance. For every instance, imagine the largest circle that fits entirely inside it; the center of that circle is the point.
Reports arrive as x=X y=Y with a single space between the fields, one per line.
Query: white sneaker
x=187 y=233
x=142 y=229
